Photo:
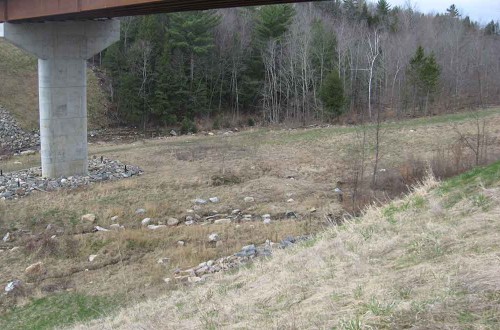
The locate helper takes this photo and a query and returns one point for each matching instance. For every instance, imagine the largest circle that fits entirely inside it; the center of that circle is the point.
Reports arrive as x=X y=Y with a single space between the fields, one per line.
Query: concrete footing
x=62 y=49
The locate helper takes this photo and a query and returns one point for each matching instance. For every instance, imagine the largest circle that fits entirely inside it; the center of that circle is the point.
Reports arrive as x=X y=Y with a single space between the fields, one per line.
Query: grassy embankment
x=411 y=241
x=428 y=261
x=19 y=89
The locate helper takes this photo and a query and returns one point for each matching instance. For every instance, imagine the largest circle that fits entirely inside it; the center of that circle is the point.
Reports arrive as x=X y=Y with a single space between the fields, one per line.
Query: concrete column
x=62 y=49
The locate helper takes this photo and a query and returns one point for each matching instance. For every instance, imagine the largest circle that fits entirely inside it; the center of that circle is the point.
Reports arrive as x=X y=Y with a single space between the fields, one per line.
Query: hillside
x=429 y=260
x=19 y=89
x=287 y=175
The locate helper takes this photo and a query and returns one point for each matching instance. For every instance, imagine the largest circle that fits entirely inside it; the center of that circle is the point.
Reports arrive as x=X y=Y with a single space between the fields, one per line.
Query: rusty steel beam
x=56 y=10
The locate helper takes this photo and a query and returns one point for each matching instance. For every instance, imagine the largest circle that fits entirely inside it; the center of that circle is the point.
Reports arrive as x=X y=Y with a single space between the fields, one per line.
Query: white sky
x=482 y=11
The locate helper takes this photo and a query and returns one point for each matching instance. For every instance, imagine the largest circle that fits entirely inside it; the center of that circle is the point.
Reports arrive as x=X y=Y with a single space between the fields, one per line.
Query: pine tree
x=453 y=11
x=351 y=9
x=191 y=38
x=383 y=8
x=192 y=33
x=332 y=95
x=273 y=22
x=492 y=28
x=423 y=74
x=324 y=46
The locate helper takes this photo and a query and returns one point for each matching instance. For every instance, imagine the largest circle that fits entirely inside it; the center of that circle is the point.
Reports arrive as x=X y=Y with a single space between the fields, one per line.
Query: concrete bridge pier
x=62 y=49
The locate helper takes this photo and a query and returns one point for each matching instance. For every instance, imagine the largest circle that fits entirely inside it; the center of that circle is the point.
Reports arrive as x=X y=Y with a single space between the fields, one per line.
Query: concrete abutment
x=62 y=49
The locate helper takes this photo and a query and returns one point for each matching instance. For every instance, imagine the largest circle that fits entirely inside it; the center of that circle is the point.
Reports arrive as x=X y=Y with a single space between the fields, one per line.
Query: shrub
x=188 y=126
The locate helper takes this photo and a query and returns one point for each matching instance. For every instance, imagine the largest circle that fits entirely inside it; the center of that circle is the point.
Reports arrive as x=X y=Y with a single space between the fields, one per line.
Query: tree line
x=301 y=63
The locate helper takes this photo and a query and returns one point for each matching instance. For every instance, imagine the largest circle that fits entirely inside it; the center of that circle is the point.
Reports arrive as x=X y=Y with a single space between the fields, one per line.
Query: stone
x=167 y=280
x=194 y=279
x=248 y=247
x=115 y=226
x=189 y=218
x=172 y=222
x=291 y=215
x=146 y=221
x=140 y=211
x=7 y=194
x=98 y=228
x=11 y=286
x=35 y=269
x=153 y=227
x=291 y=200
x=6 y=237
x=189 y=223
x=235 y=212
x=214 y=237
x=28 y=152
x=249 y=199
x=202 y=270
x=200 y=201
x=222 y=221
x=163 y=261
x=115 y=218
x=173 y=133
x=247 y=251
x=92 y=257
x=214 y=199
x=211 y=134
x=266 y=216
x=181 y=243
x=267 y=221
x=89 y=218
x=32 y=180
x=313 y=210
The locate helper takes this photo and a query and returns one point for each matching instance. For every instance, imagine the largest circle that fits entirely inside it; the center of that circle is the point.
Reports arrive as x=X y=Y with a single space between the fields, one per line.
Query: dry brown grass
x=415 y=270
x=272 y=165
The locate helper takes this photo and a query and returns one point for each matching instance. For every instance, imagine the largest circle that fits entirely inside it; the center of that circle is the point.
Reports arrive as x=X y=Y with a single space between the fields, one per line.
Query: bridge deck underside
x=55 y=10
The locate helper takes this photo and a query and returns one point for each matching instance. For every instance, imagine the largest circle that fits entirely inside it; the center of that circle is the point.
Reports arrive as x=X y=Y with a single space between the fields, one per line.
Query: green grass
x=315 y=134
x=58 y=310
x=485 y=176
x=466 y=185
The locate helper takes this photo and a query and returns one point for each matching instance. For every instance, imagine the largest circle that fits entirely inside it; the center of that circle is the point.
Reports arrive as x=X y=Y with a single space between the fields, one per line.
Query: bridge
x=63 y=34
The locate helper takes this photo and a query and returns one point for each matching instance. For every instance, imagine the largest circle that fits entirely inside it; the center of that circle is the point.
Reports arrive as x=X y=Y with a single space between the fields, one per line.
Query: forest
x=303 y=63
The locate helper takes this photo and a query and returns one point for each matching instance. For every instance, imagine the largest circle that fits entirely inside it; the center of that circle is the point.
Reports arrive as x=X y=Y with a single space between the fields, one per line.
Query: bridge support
x=62 y=49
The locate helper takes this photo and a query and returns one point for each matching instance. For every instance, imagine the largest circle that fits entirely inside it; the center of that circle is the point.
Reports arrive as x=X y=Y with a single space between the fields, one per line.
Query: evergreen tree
x=492 y=28
x=351 y=9
x=191 y=38
x=453 y=11
x=383 y=8
x=332 y=95
x=324 y=46
x=423 y=73
x=273 y=22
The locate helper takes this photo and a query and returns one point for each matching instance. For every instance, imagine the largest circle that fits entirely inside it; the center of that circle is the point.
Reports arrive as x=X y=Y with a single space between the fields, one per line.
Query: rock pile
x=22 y=183
x=12 y=138
x=246 y=255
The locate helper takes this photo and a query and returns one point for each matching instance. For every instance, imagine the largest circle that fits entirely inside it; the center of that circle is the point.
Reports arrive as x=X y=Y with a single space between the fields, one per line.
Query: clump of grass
x=58 y=310
x=228 y=179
